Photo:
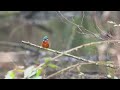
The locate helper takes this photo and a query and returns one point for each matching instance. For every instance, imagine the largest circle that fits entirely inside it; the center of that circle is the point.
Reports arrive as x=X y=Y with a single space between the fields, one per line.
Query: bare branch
x=63 y=70
x=80 y=26
x=84 y=45
x=82 y=18
x=54 y=51
x=65 y=53
x=69 y=21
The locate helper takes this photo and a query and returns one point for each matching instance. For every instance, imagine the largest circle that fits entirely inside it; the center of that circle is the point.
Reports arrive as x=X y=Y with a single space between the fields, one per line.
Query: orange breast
x=45 y=44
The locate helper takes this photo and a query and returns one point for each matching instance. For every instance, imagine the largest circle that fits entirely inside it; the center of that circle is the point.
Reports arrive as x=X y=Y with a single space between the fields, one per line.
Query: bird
x=45 y=42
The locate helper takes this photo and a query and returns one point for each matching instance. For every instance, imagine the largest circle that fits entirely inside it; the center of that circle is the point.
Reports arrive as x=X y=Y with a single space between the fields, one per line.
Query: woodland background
x=65 y=30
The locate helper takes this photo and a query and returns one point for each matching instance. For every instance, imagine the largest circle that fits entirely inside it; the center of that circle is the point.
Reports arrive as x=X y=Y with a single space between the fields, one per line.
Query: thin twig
x=93 y=43
x=82 y=18
x=11 y=44
x=69 y=21
x=80 y=26
x=54 y=51
x=84 y=45
x=72 y=66
x=103 y=32
x=65 y=53
x=63 y=70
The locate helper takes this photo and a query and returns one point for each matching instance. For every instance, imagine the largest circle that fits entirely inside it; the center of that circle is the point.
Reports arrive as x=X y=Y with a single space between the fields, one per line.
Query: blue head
x=45 y=38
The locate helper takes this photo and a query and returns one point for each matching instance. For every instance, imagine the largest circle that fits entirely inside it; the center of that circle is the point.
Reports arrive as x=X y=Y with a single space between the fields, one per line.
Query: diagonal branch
x=54 y=51
x=88 y=44
x=66 y=52
x=63 y=70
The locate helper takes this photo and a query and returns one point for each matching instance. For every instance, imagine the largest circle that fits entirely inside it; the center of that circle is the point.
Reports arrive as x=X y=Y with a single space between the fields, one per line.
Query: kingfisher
x=45 y=42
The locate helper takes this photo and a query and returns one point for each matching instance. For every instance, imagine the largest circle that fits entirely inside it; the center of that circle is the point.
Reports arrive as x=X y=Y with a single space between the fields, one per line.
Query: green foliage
x=51 y=65
x=47 y=60
x=10 y=75
x=32 y=73
x=39 y=71
x=111 y=72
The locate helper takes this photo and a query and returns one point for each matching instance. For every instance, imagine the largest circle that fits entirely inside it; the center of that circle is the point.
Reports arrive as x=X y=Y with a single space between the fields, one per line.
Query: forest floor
x=26 y=59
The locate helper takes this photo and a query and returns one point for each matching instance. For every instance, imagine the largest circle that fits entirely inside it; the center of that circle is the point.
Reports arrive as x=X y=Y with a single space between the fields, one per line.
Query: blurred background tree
x=32 y=26
x=16 y=26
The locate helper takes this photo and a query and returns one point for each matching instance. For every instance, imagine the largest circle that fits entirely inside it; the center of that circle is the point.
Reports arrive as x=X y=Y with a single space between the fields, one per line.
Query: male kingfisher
x=45 y=42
